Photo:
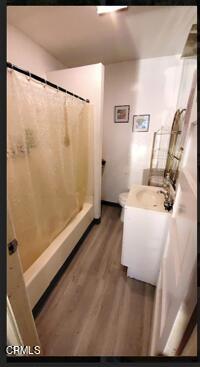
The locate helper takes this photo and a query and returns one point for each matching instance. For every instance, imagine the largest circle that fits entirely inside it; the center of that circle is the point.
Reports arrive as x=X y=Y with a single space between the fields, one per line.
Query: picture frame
x=141 y=123
x=121 y=114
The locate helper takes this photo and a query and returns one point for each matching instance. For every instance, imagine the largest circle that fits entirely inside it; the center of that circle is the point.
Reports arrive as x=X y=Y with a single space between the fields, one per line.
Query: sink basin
x=149 y=197
x=146 y=197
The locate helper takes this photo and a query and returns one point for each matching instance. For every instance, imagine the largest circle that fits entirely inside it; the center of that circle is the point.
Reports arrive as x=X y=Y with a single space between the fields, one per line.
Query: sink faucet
x=165 y=193
x=168 y=202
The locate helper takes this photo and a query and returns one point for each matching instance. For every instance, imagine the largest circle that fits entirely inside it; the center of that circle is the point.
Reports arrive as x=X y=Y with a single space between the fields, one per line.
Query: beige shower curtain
x=79 y=120
x=47 y=162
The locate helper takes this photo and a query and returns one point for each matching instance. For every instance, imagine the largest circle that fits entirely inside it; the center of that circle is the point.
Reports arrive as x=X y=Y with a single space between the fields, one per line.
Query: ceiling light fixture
x=109 y=9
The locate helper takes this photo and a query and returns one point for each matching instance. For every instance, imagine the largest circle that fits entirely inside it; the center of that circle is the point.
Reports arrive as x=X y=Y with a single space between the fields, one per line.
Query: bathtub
x=39 y=275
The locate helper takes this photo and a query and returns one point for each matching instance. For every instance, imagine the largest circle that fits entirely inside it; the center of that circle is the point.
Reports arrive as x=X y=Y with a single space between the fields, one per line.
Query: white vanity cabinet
x=144 y=233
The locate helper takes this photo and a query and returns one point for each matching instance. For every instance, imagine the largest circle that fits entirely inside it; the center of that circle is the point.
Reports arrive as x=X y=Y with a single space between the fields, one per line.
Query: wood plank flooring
x=96 y=310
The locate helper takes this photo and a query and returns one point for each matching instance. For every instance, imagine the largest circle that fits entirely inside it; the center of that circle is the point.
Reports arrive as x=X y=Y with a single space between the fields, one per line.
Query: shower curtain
x=47 y=162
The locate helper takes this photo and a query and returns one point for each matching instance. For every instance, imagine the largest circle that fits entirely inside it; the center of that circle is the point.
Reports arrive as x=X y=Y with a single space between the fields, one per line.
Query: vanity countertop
x=146 y=197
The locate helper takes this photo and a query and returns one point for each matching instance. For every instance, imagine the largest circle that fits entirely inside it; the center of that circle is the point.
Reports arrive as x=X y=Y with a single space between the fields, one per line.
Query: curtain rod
x=36 y=77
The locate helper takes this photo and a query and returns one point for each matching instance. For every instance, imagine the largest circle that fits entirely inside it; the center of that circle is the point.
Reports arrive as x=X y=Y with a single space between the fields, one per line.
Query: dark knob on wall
x=12 y=246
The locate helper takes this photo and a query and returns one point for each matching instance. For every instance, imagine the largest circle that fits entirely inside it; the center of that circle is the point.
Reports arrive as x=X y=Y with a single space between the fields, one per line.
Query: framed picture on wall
x=122 y=114
x=141 y=123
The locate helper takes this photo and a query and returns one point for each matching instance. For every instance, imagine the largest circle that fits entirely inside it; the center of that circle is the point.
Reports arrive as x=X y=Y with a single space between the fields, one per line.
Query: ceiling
x=77 y=36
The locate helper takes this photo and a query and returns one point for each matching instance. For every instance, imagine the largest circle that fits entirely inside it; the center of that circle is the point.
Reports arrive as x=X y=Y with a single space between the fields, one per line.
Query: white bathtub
x=42 y=271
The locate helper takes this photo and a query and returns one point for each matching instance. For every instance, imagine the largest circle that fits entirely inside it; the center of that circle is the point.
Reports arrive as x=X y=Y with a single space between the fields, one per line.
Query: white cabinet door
x=143 y=242
x=176 y=290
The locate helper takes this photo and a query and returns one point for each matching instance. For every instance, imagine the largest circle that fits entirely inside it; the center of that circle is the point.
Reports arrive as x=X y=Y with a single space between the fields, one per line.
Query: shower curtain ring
x=45 y=83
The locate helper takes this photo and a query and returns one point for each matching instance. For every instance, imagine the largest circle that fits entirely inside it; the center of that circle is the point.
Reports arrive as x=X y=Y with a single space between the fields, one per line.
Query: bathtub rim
x=40 y=274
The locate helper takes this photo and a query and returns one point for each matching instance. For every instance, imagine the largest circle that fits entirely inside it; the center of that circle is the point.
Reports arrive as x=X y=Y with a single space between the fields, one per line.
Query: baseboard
x=37 y=308
x=97 y=220
x=110 y=203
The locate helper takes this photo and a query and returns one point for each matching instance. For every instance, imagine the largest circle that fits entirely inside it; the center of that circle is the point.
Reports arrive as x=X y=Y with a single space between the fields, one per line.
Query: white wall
x=88 y=82
x=189 y=65
x=149 y=86
x=25 y=53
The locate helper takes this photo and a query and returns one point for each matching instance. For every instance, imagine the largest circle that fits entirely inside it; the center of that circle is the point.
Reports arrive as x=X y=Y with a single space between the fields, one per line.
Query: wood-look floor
x=96 y=310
